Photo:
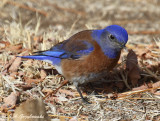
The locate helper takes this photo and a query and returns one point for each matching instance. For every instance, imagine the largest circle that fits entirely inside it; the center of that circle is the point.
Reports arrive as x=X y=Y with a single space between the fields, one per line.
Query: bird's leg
x=83 y=99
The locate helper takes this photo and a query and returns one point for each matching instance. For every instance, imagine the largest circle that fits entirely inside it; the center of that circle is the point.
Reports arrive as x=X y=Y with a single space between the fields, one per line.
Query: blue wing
x=68 y=49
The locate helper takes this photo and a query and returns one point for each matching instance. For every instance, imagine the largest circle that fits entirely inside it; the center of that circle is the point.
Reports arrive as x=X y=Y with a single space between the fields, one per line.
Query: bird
x=86 y=56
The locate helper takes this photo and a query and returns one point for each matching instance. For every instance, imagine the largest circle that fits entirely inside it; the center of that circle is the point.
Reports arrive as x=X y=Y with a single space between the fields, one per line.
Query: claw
x=83 y=99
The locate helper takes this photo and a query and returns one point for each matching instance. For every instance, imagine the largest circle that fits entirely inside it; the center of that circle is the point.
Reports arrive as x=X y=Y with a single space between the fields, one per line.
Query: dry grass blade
x=38 y=25
x=126 y=94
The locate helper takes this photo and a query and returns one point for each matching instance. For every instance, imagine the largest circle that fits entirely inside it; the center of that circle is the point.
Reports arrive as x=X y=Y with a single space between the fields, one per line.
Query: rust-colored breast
x=95 y=62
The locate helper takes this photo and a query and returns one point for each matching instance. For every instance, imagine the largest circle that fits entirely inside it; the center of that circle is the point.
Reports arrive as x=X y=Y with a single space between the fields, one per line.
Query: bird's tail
x=49 y=59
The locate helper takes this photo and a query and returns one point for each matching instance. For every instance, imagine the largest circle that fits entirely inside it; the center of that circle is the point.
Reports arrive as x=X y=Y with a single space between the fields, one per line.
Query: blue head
x=111 y=39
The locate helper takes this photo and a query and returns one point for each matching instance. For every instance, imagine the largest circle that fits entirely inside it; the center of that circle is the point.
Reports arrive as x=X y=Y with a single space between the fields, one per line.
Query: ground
x=131 y=92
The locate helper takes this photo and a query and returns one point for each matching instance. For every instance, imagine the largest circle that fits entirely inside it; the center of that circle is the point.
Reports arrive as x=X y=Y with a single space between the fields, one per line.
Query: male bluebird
x=87 y=55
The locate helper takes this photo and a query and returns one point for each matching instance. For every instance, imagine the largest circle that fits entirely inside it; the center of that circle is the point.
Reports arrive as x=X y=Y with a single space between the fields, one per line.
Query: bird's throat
x=111 y=53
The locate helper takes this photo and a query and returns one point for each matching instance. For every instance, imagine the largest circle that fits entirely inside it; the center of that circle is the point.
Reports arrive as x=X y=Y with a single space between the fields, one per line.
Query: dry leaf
x=62 y=110
x=15 y=65
x=4 y=44
x=32 y=81
x=24 y=86
x=155 y=85
x=157 y=93
x=74 y=119
x=20 y=73
x=28 y=62
x=14 y=48
x=7 y=66
x=46 y=90
x=37 y=40
x=61 y=98
x=12 y=76
x=10 y=101
x=31 y=110
x=143 y=87
x=66 y=92
x=43 y=74
x=132 y=67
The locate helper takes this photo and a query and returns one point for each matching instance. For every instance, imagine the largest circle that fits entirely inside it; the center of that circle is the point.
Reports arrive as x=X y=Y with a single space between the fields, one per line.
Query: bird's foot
x=85 y=100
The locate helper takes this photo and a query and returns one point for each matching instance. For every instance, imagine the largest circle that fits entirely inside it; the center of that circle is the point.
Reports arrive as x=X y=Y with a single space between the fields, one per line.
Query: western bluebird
x=87 y=55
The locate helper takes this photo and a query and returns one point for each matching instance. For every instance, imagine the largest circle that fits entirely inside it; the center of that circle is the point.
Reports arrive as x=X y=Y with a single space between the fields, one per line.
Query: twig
x=79 y=110
x=135 y=92
x=124 y=79
x=28 y=8
x=55 y=91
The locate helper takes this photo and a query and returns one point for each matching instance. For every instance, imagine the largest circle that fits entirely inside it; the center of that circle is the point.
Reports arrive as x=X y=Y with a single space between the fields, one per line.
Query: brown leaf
x=10 y=101
x=59 y=99
x=31 y=110
x=24 y=86
x=32 y=81
x=28 y=62
x=73 y=119
x=37 y=40
x=155 y=85
x=47 y=90
x=4 y=44
x=15 y=65
x=20 y=73
x=143 y=87
x=66 y=92
x=132 y=67
x=1 y=99
x=62 y=110
x=43 y=74
x=12 y=76
x=14 y=48
x=7 y=66
x=157 y=93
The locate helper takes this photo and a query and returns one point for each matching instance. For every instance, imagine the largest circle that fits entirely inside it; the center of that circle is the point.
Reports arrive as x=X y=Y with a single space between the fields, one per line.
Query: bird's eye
x=111 y=37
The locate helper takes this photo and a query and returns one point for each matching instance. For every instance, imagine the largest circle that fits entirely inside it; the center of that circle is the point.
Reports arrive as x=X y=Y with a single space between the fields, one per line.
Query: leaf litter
x=140 y=70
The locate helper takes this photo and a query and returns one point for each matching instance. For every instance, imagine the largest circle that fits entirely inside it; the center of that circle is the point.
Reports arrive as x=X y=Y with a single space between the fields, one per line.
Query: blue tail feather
x=52 y=60
x=55 y=54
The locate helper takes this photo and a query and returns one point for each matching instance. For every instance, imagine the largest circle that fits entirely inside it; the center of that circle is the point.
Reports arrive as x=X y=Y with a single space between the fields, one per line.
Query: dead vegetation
x=130 y=92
